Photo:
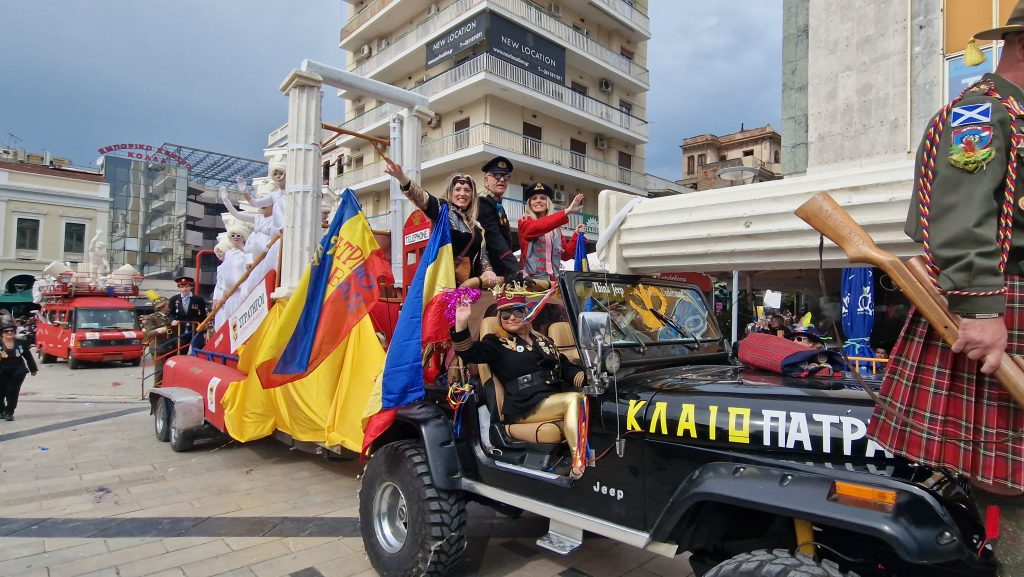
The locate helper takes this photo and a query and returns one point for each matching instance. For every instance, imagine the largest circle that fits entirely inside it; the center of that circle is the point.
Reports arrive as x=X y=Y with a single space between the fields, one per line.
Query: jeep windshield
x=106 y=319
x=648 y=313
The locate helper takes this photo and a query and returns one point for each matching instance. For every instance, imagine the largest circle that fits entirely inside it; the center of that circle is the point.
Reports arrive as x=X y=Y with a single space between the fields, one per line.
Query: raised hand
x=576 y=205
x=462 y=313
x=394 y=170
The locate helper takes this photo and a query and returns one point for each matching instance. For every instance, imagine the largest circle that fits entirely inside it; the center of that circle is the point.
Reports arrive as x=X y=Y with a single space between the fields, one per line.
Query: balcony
x=357 y=21
x=517 y=144
x=595 y=115
x=576 y=41
x=500 y=140
x=626 y=13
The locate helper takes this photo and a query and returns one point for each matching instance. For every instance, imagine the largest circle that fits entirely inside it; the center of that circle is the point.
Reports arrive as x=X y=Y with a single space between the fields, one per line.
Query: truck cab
x=88 y=325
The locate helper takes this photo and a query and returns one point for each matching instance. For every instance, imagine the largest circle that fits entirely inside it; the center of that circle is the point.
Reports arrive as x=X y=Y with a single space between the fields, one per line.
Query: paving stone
x=65 y=528
x=327 y=553
x=316 y=527
x=107 y=561
x=9 y=526
x=209 y=566
x=173 y=559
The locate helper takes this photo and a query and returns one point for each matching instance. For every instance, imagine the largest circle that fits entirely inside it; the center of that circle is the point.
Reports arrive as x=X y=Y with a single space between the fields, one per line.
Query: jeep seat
x=561 y=333
x=535 y=433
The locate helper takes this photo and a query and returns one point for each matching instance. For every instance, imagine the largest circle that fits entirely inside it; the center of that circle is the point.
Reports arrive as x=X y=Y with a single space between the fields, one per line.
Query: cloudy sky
x=201 y=73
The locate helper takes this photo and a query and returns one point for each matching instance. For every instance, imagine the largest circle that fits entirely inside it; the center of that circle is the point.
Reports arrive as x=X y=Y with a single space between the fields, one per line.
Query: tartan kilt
x=965 y=414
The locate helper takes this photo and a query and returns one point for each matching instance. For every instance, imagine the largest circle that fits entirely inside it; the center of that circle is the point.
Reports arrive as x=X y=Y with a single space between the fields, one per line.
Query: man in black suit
x=497 y=231
x=187 y=309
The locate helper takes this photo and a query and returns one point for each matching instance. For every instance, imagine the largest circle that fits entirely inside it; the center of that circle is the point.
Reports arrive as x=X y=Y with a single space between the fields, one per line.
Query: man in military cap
x=160 y=335
x=497 y=231
x=187 y=309
x=967 y=211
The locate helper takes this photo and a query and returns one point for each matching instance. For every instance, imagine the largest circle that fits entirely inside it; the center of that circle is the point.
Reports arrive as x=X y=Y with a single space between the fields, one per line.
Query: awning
x=21 y=297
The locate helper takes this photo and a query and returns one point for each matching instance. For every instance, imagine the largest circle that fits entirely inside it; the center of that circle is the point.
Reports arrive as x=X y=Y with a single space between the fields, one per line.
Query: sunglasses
x=498 y=176
x=512 y=313
x=462 y=181
x=233 y=235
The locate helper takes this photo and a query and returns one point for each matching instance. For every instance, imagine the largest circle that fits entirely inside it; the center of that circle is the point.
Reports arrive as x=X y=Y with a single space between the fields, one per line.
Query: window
x=778 y=157
x=27 y=234
x=357 y=162
x=577 y=154
x=74 y=237
x=626 y=106
x=577 y=87
x=626 y=52
x=359 y=110
x=531 y=139
x=722 y=158
x=748 y=152
x=702 y=159
x=326 y=172
x=625 y=167
x=461 y=128
x=581 y=30
x=689 y=164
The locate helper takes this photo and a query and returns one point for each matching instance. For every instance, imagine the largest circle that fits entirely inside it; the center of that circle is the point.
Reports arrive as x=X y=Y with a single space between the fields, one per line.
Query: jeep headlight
x=612 y=361
x=135 y=342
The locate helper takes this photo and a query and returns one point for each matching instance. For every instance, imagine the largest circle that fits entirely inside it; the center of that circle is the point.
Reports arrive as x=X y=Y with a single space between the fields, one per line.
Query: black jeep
x=756 y=474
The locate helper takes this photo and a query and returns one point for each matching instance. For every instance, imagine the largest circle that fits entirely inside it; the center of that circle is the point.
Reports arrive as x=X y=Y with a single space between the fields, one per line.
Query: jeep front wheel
x=409 y=526
x=777 y=563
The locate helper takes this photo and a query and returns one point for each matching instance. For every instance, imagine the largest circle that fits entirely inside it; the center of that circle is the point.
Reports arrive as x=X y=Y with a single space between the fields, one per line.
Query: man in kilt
x=968 y=213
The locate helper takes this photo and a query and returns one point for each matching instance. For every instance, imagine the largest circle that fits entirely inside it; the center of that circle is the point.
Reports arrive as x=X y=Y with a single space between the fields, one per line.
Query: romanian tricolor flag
x=335 y=294
x=421 y=322
x=581 y=264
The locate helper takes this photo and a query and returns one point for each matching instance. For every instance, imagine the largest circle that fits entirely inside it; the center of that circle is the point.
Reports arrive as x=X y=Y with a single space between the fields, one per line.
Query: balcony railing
x=629 y=13
x=365 y=172
x=487 y=64
x=379 y=221
x=363 y=17
x=440 y=21
x=517 y=143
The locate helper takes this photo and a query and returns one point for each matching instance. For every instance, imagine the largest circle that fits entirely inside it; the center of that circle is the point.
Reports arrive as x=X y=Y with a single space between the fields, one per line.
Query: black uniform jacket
x=510 y=358
x=14 y=360
x=498 y=237
x=196 y=309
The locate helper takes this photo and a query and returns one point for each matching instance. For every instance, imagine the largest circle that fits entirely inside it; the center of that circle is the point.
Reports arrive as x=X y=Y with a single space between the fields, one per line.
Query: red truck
x=85 y=323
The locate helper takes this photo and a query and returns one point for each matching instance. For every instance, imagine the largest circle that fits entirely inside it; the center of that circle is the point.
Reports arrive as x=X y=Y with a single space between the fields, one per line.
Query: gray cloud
x=713 y=66
x=81 y=75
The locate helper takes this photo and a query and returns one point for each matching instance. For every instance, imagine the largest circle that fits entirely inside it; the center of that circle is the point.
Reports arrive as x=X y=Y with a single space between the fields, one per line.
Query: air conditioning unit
x=606 y=85
x=364 y=51
x=432 y=10
x=600 y=142
x=434 y=121
x=382 y=44
x=559 y=196
x=555 y=9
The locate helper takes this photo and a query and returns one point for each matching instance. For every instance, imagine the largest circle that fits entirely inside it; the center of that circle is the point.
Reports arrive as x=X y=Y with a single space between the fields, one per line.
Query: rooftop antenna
x=13 y=140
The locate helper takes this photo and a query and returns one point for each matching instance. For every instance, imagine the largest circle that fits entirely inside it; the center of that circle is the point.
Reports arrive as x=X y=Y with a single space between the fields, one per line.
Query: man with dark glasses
x=497 y=231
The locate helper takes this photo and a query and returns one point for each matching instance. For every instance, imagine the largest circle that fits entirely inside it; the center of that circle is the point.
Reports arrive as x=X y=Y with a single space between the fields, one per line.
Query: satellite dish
x=736 y=173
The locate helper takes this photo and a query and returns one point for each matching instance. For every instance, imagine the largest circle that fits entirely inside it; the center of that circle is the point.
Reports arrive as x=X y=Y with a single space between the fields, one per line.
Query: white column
x=397 y=201
x=302 y=194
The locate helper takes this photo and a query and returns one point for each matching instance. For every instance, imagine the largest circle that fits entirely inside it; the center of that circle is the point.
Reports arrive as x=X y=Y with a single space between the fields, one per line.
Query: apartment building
x=557 y=87
x=741 y=157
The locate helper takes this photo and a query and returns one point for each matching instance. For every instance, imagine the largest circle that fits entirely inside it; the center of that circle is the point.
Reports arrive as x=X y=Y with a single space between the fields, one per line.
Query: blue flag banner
x=858 y=311
x=581 y=263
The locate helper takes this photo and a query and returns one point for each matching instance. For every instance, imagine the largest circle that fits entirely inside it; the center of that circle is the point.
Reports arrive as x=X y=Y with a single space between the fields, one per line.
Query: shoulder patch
x=971 y=114
x=971 y=148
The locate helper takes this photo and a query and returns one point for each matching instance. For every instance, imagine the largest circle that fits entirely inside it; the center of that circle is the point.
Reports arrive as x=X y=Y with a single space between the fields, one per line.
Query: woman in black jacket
x=15 y=362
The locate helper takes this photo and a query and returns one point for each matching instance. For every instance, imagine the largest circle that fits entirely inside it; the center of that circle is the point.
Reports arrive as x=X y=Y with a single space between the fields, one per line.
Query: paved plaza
x=87 y=490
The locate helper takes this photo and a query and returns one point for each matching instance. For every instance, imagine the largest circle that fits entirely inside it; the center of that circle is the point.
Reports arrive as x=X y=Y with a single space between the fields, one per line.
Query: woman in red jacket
x=542 y=246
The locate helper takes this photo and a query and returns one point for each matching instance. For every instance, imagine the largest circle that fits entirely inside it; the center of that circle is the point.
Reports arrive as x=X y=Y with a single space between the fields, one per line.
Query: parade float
x=754 y=472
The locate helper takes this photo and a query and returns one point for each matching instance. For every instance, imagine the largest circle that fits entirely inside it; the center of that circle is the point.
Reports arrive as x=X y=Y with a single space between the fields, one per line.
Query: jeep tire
x=73 y=363
x=777 y=563
x=409 y=526
x=162 y=419
x=45 y=357
x=181 y=441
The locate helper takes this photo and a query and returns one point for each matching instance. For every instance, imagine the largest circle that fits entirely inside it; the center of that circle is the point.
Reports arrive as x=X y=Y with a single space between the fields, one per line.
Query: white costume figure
x=234 y=267
x=263 y=224
x=221 y=250
x=98 y=258
x=276 y=197
x=329 y=202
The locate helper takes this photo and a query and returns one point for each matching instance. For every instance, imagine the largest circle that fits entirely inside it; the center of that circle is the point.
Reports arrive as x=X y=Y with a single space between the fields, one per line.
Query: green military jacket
x=966 y=199
x=152 y=323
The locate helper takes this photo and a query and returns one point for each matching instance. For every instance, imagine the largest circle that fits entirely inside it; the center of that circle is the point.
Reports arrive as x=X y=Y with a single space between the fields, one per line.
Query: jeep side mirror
x=595 y=341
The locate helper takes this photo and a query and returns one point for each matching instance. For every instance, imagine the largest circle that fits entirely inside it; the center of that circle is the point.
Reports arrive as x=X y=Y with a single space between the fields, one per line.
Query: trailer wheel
x=73 y=363
x=181 y=441
x=162 y=420
x=409 y=526
x=44 y=357
x=777 y=563
x=136 y=362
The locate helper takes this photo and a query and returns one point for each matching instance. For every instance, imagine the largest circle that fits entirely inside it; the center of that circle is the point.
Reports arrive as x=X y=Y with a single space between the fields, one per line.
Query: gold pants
x=566 y=408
